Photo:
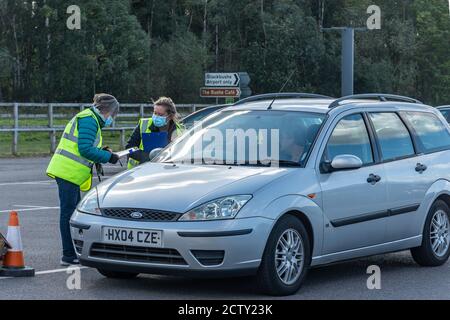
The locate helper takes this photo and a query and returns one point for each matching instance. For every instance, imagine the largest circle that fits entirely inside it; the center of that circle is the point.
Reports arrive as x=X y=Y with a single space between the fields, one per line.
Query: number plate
x=133 y=237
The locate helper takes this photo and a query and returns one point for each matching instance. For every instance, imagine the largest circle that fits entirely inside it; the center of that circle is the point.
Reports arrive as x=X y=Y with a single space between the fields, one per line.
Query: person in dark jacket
x=78 y=151
x=164 y=119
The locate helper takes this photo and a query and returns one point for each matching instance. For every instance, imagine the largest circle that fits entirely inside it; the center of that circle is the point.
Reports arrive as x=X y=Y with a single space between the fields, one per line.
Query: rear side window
x=446 y=114
x=432 y=133
x=350 y=137
x=393 y=136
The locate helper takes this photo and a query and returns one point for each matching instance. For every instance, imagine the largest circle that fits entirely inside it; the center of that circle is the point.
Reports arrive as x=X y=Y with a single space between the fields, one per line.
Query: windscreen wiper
x=259 y=163
x=281 y=163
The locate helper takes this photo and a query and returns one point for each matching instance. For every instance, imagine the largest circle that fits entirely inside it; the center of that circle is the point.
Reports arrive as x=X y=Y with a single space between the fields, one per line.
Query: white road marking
x=37 y=183
x=45 y=182
x=30 y=209
x=59 y=270
x=50 y=272
x=24 y=206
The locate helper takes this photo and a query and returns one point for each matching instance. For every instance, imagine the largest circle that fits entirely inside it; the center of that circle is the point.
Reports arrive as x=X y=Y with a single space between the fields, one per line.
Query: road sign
x=244 y=85
x=222 y=79
x=220 y=92
x=245 y=79
x=245 y=92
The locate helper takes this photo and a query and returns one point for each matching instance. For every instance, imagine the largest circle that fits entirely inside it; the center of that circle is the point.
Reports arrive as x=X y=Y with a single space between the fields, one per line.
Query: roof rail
x=380 y=96
x=285 y=95
x=442 y=107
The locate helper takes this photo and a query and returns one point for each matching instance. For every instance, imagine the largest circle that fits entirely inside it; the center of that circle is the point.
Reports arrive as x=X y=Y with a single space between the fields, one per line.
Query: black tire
x=117 y=274
x=424 y=255
x=268 y=280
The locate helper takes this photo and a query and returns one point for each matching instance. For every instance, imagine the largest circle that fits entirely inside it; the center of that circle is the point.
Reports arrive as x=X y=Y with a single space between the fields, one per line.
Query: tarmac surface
x=24 y=187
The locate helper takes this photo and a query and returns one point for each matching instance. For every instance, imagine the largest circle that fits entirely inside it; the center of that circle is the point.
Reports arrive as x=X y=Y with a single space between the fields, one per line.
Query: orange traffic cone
x=14 y=262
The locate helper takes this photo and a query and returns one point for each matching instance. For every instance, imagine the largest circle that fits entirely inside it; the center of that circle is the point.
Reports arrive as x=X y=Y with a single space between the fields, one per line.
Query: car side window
x=350 y=137
x=446 y=114
x=393 y=136
x=431 y=132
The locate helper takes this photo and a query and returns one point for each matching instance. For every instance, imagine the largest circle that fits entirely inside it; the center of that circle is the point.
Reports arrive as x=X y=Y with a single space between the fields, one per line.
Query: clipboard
x=154 y=140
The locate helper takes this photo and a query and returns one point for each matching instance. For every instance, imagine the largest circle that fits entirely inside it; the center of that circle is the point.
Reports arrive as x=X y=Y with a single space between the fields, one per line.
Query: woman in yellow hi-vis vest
x=71 y=165
x=165 y=119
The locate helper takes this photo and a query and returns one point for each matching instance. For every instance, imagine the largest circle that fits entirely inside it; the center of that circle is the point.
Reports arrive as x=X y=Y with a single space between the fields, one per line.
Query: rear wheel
x=435 y=248
x=286 y=258
x=117 y=274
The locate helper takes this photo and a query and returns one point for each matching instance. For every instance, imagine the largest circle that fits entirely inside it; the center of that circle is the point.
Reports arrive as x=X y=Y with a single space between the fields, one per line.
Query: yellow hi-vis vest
x=67 y=163
x=144 y=126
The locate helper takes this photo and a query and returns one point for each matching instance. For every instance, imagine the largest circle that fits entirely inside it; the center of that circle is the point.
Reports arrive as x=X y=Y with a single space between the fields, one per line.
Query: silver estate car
x=358 y=176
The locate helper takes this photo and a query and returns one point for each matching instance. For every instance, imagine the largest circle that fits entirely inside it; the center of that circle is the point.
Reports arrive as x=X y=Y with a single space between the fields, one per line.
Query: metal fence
x=20 y=111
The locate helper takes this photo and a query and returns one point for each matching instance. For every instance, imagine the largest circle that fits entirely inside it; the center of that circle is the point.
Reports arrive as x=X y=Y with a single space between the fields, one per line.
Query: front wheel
x=117 y=274
x=434 y=250
x=286 y=259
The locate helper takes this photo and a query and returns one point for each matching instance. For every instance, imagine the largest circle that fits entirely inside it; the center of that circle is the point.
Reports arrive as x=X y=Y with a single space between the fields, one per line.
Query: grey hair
x=106 y=103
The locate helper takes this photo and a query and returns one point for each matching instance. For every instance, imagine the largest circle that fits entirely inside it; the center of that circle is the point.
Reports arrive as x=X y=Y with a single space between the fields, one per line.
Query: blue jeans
x=69 y=196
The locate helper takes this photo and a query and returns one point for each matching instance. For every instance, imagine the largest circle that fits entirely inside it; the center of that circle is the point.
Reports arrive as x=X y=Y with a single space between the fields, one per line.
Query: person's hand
x=114 y=158
x=107 y=149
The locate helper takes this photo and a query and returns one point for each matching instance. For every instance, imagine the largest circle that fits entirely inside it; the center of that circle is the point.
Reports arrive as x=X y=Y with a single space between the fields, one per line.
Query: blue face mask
x=109 y=121
x=159 y=121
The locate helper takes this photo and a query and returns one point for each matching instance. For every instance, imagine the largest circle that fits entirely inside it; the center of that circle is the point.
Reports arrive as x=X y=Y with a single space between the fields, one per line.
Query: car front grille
x=137 y=254
x=146 y=214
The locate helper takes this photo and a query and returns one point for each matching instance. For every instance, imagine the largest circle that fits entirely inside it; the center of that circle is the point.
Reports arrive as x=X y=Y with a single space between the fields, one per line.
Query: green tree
x=51 y=62
x=177 y=67
x=433 y=48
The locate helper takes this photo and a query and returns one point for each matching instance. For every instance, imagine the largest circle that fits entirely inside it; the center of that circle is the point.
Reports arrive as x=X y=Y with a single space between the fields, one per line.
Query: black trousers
x=69 y=196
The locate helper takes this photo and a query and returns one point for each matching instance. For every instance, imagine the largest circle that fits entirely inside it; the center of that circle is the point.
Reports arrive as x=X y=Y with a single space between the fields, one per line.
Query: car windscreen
x=251 y=137
x=190 y=120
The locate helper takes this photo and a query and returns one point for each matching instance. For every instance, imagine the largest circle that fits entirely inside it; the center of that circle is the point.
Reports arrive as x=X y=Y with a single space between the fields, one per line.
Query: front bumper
x=242 y=242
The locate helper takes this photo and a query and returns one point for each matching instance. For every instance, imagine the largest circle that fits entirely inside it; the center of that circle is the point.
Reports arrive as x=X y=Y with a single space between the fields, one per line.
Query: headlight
x=89 y=204
x=220 y=209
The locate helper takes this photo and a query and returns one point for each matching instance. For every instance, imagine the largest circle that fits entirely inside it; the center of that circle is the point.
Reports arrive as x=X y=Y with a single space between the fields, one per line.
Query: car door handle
x=373 y=179
x=420 y=168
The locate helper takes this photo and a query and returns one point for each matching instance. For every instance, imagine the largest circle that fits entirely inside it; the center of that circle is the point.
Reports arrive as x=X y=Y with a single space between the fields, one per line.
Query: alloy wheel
x=440 y=233
x=289 y=256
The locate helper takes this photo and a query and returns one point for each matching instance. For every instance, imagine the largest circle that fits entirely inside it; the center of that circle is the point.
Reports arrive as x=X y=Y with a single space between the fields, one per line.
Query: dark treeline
x=138 y=49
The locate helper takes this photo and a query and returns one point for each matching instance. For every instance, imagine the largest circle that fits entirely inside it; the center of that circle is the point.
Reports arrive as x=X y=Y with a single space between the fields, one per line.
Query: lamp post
x=348 y=57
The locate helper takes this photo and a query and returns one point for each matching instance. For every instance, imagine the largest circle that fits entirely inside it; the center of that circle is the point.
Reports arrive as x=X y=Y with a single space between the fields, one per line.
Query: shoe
x=66 y=262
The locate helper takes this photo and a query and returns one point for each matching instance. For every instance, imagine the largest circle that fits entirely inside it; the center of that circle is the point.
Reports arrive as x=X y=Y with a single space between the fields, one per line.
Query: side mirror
x=346 y=162
x=154 y=153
